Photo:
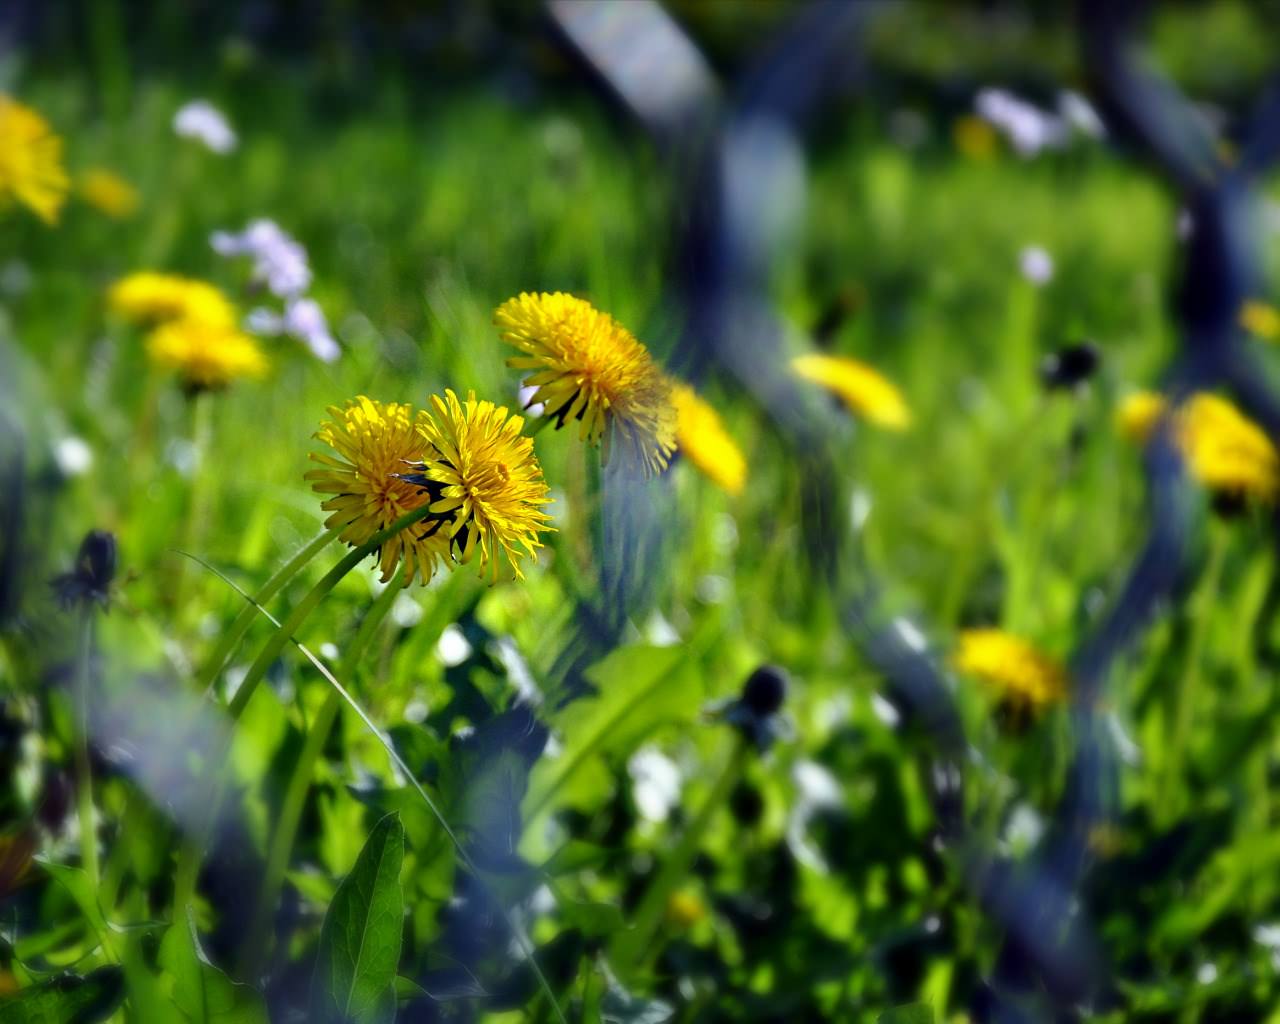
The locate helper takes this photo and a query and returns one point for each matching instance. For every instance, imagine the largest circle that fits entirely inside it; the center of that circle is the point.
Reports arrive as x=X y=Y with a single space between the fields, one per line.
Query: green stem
x=188 y=868
x=634 y=947
x=281 y=846
x=244 y=619
x=197 y=509
x=1185 y=698
x=84 y=773
x=272 y=648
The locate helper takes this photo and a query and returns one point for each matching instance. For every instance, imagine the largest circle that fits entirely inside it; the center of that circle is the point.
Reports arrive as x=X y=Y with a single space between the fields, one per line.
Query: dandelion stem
x=240 y=625
x=272 y=648
x=286 y=829
x=198 y=508
x=518 y=933
x=634 y=947
x=84 y=772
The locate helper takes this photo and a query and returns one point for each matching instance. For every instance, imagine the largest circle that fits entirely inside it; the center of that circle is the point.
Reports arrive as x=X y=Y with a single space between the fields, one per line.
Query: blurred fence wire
x=737 y=150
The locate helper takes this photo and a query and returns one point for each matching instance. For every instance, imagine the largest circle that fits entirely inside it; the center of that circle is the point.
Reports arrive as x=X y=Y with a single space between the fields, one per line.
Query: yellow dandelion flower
x=374 y=445
x=149 y=297
x=479 y=471
x=862 y=389
x=108 y=193
x=590 y=368
x=30 y=161
x=974 y=137
x=207 y=356
x=701 y=436
x=685 y=909
x=1224 y=449
x=1261 y=319
x=1011 y=667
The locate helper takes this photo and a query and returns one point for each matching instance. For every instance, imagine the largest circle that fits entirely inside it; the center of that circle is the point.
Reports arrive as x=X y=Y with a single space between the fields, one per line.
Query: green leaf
x=201 y=992
x=640 y=689
x=911 y=1013
x=593 y=919
x=80 y=887
x=68 y=999
x=360 y=938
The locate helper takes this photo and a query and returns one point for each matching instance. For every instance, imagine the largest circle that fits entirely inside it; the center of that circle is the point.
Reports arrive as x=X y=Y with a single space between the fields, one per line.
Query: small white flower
x=202 y=121
x=1028 y=128
x=1079 y=113
x=1036 y=264
x=73 y=456
x=453 y=647
x=656 y=781
x=525 y=393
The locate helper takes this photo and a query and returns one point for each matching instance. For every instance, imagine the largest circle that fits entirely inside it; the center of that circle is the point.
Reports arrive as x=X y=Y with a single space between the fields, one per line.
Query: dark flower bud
x=765 y=690
x=95 y=568
x=1069 y=366
x=746 y=804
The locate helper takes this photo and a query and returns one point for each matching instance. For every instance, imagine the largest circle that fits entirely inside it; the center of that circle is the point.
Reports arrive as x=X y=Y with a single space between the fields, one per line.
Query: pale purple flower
x=1028 y=128
x=304 y=320
x=279 y=260
x=202 y=121
x=1036 y=264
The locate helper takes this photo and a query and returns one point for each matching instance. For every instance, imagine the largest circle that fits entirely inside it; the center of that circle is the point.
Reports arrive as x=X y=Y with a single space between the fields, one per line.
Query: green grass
x=1002 y=506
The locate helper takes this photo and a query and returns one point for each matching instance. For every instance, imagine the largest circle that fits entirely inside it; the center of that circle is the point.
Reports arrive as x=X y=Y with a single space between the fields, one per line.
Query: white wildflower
x=202 y=121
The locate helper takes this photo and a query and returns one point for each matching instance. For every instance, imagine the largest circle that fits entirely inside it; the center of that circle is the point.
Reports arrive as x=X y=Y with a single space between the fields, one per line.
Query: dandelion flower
x=477 y=469
x=31 y=169
x=865 y=391
x=974 y=137
x=208 y=356
x=147 y=297
x=701 y=436
x=590 y=368
x=1011 y=667
x=1225 y=450
x=108 y=193
x=1261 y=319
x=373 y=443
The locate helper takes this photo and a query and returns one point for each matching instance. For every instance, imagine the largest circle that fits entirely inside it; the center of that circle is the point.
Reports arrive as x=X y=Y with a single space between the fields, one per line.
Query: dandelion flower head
x=372 y=445
x=1010 y=666
x=108 y=193
x=149 y=297
x=208 y=356
x=701 y=436
x=1225 y=450
x=31 y=171
x=865 y=391
x=588 y=367
x=479 y=471
x=1261 y=319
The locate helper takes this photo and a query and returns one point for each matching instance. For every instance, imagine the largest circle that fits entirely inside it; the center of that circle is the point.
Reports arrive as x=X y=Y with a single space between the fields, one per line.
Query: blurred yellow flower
x=701 y=436
x=374 y=444
x=863 y=390
x=1225 y=450
x=108 y=193
x=590 y=368
x=31 y=169
x=1010 y=666
x=149 y=297
x=480 y=472
x=207 y=356
x=974 y=137
x=685 y=908
x=1261 y=319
